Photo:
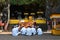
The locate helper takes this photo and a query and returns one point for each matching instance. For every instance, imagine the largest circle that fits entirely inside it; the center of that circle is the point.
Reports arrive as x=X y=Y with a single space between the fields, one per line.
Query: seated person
x=29 y=31
x=23 y=31
x=33 y=30
x=39 y=31
x=15 y=30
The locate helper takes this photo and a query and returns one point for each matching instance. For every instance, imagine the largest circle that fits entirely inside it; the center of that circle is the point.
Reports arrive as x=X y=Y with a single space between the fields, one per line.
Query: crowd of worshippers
x=29 y=31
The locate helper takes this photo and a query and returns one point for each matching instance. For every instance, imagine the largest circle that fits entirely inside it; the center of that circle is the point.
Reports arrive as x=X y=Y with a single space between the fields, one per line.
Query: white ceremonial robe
x=39 y=31
x=33 y=31
x=23 y=31
x=15 y=31
x=29 y=31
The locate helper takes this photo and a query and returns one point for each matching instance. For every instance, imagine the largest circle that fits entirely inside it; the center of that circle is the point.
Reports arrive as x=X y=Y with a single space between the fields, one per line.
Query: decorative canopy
x=55 y=16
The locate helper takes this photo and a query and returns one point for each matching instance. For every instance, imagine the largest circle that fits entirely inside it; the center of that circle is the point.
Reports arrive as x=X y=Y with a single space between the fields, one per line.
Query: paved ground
x=45 y=36
x=11 y=32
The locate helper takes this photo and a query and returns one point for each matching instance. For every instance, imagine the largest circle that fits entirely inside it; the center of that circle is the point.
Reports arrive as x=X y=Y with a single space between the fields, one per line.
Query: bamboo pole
x=8 y=16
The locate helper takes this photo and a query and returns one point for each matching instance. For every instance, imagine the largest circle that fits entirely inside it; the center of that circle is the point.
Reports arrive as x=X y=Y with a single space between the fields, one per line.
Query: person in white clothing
x=33 y=30
x=39 y=31
x=15 y=30
x=23 y=31
x=29 y=31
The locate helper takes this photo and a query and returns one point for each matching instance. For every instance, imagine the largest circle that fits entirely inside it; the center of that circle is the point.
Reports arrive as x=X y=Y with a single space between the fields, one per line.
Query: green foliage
x=21 y=2
x=13 y=2
x=2 y=1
